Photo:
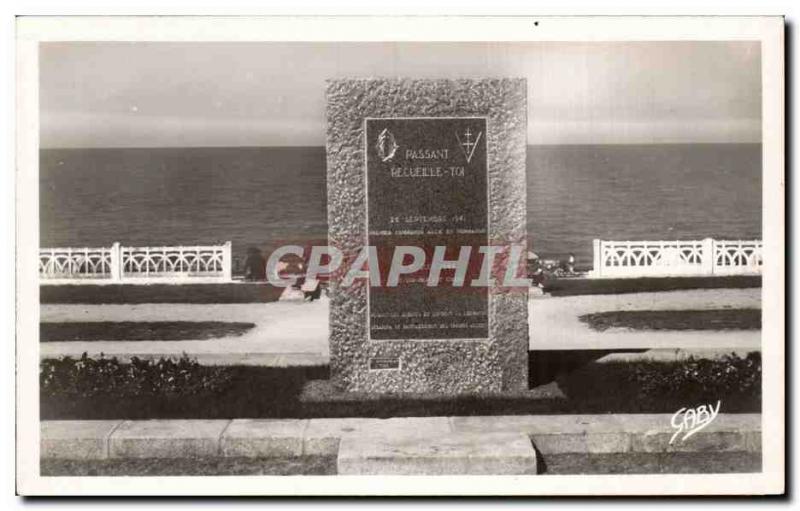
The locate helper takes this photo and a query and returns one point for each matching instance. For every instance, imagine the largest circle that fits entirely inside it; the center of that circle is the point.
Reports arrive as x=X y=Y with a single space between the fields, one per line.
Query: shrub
x=701 y=380
x=88 y=377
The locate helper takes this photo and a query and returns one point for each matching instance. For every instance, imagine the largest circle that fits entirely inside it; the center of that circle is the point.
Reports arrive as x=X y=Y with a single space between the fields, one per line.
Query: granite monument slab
x=421 y=171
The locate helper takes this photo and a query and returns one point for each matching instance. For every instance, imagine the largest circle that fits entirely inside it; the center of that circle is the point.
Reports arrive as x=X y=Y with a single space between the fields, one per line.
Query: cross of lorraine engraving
x=468 y=146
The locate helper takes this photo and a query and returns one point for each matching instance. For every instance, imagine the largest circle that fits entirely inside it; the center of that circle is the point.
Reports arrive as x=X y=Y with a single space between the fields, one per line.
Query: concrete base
x=453 y=453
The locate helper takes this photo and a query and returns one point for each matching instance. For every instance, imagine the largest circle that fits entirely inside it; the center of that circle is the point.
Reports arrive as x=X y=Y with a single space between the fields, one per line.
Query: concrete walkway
x=296 y=333
x=286 y=333
x=556 y=325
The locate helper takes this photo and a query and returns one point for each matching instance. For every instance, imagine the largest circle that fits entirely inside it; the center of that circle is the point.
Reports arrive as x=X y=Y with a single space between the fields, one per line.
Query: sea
x=268 y=196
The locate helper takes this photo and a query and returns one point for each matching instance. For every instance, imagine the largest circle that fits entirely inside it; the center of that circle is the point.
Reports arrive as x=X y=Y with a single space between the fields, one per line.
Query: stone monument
x=437 y=167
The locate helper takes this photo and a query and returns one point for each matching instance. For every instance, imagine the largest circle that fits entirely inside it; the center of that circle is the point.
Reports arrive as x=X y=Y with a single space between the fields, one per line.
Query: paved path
x=286 y=333
x=296 y=333
x=555 y=324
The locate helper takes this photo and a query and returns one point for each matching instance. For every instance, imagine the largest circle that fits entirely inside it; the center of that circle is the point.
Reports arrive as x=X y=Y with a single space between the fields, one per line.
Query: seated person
x=255 y=266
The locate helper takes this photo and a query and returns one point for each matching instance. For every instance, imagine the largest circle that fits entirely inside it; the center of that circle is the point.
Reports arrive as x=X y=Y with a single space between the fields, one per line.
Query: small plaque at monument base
x=380 y=363
x=426 y=177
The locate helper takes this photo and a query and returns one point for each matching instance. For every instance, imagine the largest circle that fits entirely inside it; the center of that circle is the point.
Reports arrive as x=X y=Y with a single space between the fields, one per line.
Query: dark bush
x=87 y=377
x=701 y=380
x=182 y=389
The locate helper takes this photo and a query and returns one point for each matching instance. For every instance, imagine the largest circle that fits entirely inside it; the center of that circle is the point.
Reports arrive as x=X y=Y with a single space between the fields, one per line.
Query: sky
x=272 y=94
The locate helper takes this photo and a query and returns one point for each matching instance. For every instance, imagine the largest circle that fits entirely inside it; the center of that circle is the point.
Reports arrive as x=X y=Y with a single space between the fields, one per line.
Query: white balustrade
x=118 y=264
x=737 y=257
x=75 y=263
x=675 y=258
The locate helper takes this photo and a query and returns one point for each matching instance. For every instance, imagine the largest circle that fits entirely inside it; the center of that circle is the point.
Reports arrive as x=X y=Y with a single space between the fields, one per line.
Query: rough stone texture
x=264 y=438
x=453 y=366
x=76 y=440
x=167 y=439
x=455 y=453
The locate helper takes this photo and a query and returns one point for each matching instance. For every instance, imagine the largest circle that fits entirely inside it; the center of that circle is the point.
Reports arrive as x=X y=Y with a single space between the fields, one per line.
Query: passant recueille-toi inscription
x=427 y=188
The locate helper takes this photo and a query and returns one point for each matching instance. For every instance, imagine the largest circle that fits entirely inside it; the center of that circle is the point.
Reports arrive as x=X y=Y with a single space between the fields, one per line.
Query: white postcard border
x=769 y=30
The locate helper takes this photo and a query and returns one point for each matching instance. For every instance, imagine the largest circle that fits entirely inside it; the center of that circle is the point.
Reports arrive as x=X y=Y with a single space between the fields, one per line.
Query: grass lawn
x=263 y=392
x=573 y=287
x=140 y=330
x=722 y=319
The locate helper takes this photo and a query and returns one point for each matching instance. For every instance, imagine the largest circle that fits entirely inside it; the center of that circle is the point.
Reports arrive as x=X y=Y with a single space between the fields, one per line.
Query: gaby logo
x=691 y=420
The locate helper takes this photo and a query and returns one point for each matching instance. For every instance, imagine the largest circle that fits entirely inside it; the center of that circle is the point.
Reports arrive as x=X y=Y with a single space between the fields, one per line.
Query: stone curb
x=551 y=434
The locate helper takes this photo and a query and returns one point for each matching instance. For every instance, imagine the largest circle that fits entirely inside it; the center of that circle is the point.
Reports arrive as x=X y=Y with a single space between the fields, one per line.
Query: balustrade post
x=227 y=262
x=597 y=259
x=757 y=258
x=116 y=262
x=708 y=256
